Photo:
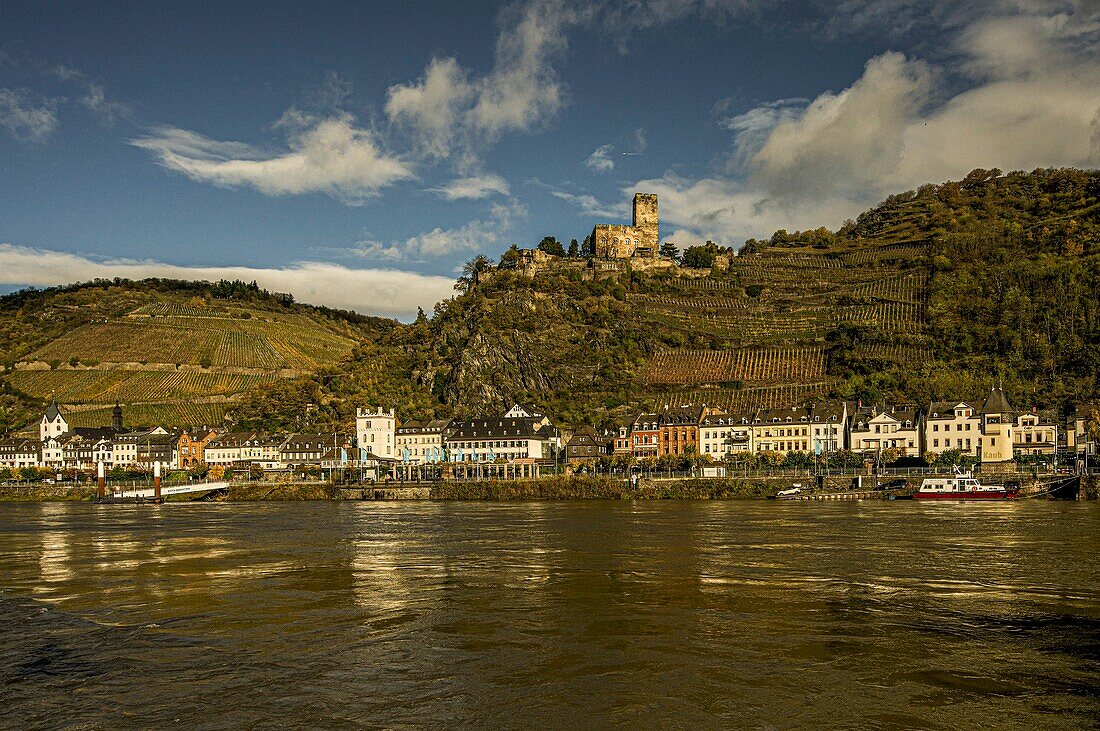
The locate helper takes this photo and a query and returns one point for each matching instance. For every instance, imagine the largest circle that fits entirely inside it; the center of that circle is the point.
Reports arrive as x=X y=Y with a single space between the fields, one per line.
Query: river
x=688 y=614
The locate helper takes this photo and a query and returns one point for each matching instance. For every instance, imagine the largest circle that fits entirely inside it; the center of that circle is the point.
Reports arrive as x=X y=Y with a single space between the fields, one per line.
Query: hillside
x=173 y=352
x=937 y=292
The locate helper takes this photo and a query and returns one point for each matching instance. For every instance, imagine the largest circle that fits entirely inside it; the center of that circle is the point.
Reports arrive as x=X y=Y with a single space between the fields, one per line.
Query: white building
x=878 y=429
x=829 y=426
x=421 y=442
x=53 y=423
x=240 y=448
x=1035 y=434
x=722 y=433
x=492 y=438
x=17 y=453
x=996 y=441
x=782 y=430
x=952 y=426
x=375 y=431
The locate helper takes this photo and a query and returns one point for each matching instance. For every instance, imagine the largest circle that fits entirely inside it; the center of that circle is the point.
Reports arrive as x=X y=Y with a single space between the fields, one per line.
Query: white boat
x=962 y=486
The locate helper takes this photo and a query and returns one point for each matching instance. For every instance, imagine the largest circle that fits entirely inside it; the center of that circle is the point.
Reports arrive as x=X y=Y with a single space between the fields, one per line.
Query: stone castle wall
x=616 y=242
x=640 y=240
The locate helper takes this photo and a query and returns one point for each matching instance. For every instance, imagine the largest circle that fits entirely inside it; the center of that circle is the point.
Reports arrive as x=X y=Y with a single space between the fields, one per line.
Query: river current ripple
x=688 y=614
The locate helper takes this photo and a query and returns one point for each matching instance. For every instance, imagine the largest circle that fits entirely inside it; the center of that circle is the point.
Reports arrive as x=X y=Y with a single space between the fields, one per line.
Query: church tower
x=116 y=417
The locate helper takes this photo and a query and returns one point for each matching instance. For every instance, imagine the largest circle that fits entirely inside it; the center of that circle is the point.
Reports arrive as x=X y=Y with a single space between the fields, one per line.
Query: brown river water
x=690 y=614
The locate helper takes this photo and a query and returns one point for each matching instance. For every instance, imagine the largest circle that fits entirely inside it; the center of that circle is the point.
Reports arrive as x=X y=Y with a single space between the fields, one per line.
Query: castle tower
x=612 y=241
x=645 y=221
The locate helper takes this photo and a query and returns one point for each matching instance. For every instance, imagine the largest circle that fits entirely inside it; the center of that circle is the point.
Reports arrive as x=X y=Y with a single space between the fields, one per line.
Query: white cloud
x=94 y=98
x=448 y=106
x=434 y=106
x=848 y=142
x=600 y=160
x=326 y=155
x=590 y=205
x=473 y=187
x=383 y=292
x=523 y=89
x=1017 y=91
x=25 y=119
x=752 y=128
x=480 y=235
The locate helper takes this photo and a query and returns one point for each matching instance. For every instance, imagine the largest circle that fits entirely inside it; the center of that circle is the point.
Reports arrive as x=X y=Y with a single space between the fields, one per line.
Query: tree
x=588 y=250
x=471 y=270
x=551 y=246
x=699 y=257
x=574 y=249
x=669 y=251
x=509 y=259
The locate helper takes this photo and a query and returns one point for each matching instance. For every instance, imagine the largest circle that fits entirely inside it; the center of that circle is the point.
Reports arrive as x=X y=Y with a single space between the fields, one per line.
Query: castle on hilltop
x=611 y=241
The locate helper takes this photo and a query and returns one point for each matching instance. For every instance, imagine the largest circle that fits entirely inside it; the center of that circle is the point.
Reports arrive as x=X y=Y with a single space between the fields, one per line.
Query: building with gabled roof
x=878 y=428
x=645 y=435
x=489 y=438
x=1035 y=432
x=53 y=422
x=722 y=433
x=20 y=452
x=782 y=430
x=951 y=425
x=421 y=442
x=679 y=429
x=829 y=426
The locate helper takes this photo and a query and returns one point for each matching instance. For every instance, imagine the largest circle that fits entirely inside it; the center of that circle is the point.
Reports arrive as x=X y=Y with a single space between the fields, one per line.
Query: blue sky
x=356 y=154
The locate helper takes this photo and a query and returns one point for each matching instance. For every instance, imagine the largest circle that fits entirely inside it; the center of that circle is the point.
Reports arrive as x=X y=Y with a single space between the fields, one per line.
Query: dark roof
x=423 y=427
x=646 y=418
x=14 y=444
x=52 y=412
x=298 y=442
x=682 y=415
x=797 y=415
x=88 y=433
x=996 y=403
x=500 y=427
x=901 y=414
x=724 y=418
x=827 y=410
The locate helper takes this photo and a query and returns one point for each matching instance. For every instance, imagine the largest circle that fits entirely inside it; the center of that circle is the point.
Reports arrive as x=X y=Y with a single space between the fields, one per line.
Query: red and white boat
x=963 y=486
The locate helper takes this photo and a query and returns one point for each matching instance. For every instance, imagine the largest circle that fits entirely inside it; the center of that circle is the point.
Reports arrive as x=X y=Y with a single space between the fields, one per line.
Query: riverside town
x=523 y=442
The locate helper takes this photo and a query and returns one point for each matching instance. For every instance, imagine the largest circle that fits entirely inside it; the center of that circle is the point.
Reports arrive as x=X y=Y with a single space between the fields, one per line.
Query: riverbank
x=546 y=488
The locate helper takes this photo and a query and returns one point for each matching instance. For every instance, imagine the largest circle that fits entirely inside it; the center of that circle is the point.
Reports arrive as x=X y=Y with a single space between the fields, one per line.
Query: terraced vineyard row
x=761 y=327
x=888 y=316
x=890 y=251
x=736 y=304
x=906 y=288
x=166 y=415
x=714 y=366
x=760 y=397
x=176 y=309
x=898 y=353
x=93 y=386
